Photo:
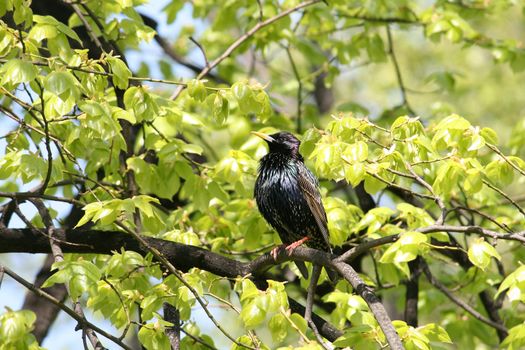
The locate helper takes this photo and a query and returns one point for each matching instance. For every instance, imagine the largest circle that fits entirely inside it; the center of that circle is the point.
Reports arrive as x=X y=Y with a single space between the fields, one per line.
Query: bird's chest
x=279 y=195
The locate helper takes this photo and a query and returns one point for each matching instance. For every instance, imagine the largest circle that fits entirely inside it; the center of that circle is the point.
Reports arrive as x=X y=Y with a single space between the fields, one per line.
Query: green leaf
x=356 y=152
x=489 y=135
x=15 y=330
x=241 y=91
x=415 y=217
x=355 y=173
x=62 y=84
x=248 y=290
x=16 y=71
x=516 y=338
x=245 y=97
x=405 y=249
x=121 y=72
x=220 y=108
x=172 y=9
x=143 y=203
x=444 y=80
x=152 y=337
x=80 y=275
x=197 y=90
x=252 y=315
x=435 y=333
x=299 y=322
x=453 y=122
x=376 y=49
x=246 y=342
x=49 y=21
x=143 y=105
x=480 y=253
x=359 y=337
x=473 y=181
x=374 y=219
x=476 y=142
x=500 y=172
x=514 y=284
x=278 y=326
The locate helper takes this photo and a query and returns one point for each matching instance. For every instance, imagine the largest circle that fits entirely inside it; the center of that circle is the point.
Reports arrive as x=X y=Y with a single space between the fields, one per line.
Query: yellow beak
x=263 y=136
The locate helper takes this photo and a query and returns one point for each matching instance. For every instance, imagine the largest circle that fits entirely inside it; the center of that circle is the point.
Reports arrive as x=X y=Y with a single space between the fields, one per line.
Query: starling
x=287 y=195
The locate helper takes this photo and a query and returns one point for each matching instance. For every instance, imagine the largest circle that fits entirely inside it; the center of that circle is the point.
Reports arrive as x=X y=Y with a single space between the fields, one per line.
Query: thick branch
x=171 y=314
x=105 y=242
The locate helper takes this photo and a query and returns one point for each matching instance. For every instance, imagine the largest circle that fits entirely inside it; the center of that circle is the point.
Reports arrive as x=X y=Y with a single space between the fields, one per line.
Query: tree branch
x=58 y=255
x=171 y=314
x=240 y=40
x=460 y=302
x=80 y=319
x=45 y=311
x=105 y=242
x=399 y=77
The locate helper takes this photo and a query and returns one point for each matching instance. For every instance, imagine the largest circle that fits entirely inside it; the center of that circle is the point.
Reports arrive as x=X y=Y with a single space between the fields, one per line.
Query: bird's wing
x=309 y=187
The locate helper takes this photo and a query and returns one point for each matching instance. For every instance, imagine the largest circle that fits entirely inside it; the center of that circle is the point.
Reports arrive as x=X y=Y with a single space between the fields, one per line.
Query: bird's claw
x=291 y=247
x=275 y=252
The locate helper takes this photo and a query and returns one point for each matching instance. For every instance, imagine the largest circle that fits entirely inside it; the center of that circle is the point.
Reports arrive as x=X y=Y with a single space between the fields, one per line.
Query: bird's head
x=281 y=142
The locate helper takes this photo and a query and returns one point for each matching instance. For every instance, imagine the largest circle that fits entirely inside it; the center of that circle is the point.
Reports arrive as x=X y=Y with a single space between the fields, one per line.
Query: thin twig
x=23 y=124
x=102 y=30
x=458 y=301
x=56 y=250
x=63 y=307
x=240 y=40
x=438 y=200
x=47 y=178
x=86 y=24
x=501 y=225
x=158 y=255
x=399 y=77
x=206 y=62
x=362 y=248
x=516 y=205
x=26 y=195
x=299 y=90
x=198 y=340
x=316 y=272
x=391 y=184
x=259 y=4
x=517 y=236
x=499 y=153
x=124 y=306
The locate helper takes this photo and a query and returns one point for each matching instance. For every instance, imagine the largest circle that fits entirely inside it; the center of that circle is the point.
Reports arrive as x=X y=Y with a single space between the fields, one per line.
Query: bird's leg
x=290 y=248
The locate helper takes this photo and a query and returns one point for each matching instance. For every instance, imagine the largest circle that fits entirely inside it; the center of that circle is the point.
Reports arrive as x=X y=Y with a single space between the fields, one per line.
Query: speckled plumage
x=287 y=194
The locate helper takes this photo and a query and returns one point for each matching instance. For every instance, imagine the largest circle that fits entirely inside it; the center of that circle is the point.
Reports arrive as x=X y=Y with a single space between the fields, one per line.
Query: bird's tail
x=333 y=275
x=302 y=268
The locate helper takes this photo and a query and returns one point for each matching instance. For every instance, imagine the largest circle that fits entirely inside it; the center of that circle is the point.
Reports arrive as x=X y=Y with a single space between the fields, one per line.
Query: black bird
x=287 y=194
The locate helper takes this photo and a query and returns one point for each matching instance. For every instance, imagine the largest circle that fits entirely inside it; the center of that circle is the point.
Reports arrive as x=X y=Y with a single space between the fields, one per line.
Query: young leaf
x=16 y=71
x=480 y=253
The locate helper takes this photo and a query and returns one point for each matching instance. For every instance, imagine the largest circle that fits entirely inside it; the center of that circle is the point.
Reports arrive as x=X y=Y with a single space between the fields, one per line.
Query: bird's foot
x=291 y=247
x=275 y=251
